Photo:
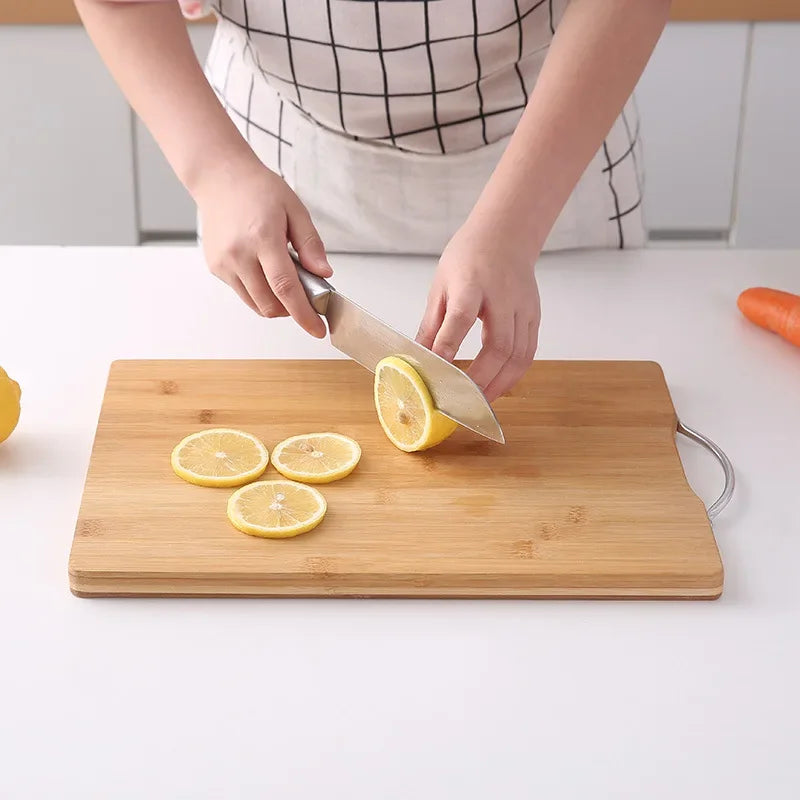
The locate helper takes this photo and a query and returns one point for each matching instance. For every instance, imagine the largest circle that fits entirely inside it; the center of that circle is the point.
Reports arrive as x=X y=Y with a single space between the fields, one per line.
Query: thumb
x=308 y=243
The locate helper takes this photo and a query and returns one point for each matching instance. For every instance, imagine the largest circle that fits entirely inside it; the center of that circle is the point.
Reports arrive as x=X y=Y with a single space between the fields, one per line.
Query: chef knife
x=365 y=339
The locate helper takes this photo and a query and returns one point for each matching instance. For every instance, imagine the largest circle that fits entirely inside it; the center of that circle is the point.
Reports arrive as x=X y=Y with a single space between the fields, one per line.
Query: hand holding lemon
x=9 y=405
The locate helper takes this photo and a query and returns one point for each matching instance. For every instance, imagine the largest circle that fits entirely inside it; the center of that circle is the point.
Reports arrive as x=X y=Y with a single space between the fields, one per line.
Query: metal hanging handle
x=730 y=478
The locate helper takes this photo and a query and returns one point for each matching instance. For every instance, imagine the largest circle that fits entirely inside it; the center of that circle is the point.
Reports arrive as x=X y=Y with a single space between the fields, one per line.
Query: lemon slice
x=276 y=509
x=220 y=457
x=316 y=457
x=405 y=407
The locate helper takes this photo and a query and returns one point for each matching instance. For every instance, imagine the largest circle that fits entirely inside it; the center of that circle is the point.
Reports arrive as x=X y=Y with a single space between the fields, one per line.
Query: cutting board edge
x=121 y=363
x=91 y=589
x=103 y=582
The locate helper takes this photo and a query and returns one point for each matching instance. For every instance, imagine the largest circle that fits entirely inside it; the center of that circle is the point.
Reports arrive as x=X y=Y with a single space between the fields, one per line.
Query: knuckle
x=503 y=348
x=521 y=356
x=309 y=239
x=219 y=270
x=461 y=314
x=252 y=273
x=236 y=251
x=282 y=285
x=263 y=226
x=262 y=233
x=467 y=294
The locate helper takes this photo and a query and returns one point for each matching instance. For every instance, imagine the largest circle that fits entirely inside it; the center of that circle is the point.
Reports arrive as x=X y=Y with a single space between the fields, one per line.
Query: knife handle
x=317 y=289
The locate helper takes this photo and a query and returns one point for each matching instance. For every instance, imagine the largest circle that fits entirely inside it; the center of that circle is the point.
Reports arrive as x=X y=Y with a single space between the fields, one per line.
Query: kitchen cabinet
x=768 y=207
x=689 y=100
x=165 y=207
x=66 y=165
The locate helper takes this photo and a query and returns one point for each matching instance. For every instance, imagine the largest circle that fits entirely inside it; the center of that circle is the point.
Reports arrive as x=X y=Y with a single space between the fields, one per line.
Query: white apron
x=383 y=163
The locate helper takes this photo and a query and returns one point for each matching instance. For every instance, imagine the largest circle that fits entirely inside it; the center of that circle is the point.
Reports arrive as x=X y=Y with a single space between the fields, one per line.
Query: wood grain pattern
x=587 y=499
x=60 y=12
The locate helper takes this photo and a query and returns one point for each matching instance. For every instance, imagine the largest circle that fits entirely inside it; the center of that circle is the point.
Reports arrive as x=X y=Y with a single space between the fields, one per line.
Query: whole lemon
x=9 y=405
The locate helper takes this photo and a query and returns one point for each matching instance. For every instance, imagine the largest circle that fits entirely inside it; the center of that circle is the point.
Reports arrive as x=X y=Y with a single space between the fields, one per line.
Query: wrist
x=493 y=228
x=204 y=172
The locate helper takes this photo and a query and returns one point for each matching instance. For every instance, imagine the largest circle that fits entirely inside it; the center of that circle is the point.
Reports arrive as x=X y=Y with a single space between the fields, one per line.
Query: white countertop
x=393 y=699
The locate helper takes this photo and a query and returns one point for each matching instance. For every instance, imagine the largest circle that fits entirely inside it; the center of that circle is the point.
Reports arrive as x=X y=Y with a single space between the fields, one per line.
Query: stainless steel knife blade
x=366 y=339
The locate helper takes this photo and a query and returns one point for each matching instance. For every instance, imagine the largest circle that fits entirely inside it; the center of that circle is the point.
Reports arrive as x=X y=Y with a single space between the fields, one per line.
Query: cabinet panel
x=689 y=100
x=769 y=182
x=65 y=142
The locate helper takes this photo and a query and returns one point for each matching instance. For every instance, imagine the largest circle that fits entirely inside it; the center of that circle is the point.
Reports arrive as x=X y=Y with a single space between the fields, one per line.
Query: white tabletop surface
x=400 y=699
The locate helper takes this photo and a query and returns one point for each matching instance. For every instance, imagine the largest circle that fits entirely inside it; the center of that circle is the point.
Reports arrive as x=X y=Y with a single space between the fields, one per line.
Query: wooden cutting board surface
x=588 y=497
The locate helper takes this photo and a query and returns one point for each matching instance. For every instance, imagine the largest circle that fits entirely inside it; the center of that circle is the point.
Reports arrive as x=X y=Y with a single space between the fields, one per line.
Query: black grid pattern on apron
x=290 y=88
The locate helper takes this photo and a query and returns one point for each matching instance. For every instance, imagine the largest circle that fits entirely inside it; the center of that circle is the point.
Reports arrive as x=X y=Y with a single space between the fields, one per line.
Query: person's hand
x=248 y=216
x=479 y=277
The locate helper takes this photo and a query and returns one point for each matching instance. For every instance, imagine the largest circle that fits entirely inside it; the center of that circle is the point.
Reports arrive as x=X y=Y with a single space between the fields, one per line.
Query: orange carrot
x=772 y=310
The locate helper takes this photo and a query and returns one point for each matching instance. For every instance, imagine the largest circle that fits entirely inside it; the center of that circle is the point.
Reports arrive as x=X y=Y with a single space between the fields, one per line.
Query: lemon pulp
x=219 y=457
x=316 y=457
x=276 y=509
x=405 y=407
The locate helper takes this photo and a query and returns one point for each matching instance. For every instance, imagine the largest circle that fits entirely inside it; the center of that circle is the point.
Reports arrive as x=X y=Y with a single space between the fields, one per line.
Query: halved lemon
x=219 y=457
x=276 y=509
x=316 y=457
x=405 y=407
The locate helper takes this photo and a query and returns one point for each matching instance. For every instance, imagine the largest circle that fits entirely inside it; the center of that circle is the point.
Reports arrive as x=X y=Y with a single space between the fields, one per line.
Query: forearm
x=147 y=49
x=595 y=60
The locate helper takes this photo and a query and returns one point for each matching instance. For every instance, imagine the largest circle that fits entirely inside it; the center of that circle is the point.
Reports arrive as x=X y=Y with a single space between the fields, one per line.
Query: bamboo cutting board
x=588 y=497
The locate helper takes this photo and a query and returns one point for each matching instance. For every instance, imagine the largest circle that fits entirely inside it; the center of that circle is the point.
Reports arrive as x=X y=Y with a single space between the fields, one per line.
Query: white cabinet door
x=768 y=200
x=66 y=171
x=689 y=100
x=165 y=207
